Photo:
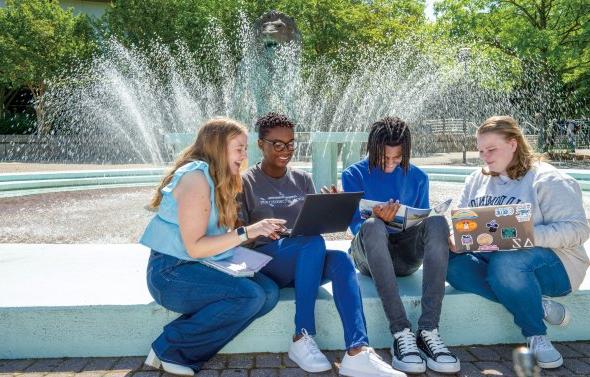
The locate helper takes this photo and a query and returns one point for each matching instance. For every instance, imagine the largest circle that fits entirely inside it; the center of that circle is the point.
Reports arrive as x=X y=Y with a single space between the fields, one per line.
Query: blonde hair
x=523 y=157
x=211 y=147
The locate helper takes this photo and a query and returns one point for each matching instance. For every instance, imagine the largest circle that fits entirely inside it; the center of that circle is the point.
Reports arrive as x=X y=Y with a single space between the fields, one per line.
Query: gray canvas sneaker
x=555 y=313
x=547 y=356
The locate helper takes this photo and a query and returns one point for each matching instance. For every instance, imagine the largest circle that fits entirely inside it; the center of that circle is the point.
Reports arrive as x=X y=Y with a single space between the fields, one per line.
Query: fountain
x=131 y=105
x=127 y=100
x=138 y=106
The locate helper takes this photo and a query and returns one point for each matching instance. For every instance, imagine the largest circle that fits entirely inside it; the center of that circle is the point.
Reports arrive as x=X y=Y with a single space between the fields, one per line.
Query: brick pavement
x=475 y=360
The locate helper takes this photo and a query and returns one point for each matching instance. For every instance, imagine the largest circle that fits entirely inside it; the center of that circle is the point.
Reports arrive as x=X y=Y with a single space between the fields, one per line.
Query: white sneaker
x=367 y=364
x=405 y=355
x=547 y=356
x=555 y=313
x=153 y=361
x=307 y=355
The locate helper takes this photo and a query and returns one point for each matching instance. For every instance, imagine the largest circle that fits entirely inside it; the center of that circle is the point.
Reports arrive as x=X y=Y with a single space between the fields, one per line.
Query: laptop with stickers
x=493 y=228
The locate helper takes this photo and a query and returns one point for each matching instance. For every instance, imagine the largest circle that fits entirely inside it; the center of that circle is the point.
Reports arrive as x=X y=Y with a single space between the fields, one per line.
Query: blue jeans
x=304 y=262
x=215 y=307
x=515 y=279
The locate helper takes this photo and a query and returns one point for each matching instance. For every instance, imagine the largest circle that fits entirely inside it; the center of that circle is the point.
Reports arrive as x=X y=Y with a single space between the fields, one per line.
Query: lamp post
x=464 y=55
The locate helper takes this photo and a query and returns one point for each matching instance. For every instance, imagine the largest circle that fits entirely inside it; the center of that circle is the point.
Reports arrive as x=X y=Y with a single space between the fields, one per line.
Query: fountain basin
x=16 y=184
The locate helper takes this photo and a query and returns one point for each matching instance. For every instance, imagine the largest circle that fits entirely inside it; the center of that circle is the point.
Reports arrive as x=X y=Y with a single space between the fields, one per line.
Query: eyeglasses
x=279 y=146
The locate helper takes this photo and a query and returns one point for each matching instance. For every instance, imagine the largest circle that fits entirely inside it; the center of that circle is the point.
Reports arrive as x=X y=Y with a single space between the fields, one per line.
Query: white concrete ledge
x=92 y=300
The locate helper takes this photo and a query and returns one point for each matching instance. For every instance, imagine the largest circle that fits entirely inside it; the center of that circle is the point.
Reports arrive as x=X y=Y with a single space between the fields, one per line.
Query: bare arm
x=194 y=207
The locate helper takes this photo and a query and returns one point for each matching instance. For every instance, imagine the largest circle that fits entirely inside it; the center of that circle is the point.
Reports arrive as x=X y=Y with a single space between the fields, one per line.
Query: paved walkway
x=476 y=361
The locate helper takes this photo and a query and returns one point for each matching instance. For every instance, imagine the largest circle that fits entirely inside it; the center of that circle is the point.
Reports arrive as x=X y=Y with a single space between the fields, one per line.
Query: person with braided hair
x=383 y=253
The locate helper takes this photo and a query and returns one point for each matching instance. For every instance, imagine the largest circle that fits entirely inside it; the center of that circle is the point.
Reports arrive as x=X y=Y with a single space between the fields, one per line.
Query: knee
x=455 y=269
x=250 y=297
x=437 y=225
x=373 y=226
x=338 y=264
x=313 y=245
x=271 y=298
x=505 y=273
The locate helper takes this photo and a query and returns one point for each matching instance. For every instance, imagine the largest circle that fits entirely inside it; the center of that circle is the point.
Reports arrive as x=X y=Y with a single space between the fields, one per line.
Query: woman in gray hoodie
x=520 y=280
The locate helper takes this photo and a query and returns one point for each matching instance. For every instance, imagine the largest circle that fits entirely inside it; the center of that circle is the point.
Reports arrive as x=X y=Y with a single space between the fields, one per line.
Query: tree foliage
x=327 y=26
x=540 y=48
x=549 y=38
x=38 y=39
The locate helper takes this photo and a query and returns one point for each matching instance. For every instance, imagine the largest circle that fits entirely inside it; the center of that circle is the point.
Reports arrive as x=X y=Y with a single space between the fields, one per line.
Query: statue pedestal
x=324 y=154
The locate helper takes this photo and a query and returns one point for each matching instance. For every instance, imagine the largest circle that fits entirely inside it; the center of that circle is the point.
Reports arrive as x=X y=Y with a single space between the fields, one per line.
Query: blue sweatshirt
x=409 y=188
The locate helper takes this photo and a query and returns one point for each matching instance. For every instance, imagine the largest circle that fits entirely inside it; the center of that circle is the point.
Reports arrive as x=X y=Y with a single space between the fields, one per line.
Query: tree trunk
x=3 y=95
x=38 y=92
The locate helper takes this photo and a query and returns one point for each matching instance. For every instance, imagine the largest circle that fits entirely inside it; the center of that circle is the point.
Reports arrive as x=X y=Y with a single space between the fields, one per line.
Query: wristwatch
x=242 y=233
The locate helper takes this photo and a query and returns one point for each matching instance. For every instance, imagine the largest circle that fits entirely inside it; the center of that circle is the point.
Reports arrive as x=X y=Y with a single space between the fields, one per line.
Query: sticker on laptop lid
x=492 y=226
x=508 y=233
x=464 y=214
x=523 y=206
x=523 y=215
x=485 y=239
x=466 y=226
x=504 y=211
x=488 y=248
x=518 y=244
x=466 y=240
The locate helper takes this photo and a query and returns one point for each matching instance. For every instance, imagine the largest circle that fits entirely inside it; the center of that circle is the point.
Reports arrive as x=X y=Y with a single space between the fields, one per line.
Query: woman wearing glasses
x=272 y=189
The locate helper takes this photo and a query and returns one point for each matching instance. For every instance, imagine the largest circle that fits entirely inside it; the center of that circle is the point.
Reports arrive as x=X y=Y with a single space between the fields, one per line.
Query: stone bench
x=92 y=300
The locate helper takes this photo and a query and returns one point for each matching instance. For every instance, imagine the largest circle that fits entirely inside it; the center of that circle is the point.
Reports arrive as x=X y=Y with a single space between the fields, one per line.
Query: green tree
x=39 y=39
x=550 y=39
x=327 y=26
x=139 y=22
x=330 y=26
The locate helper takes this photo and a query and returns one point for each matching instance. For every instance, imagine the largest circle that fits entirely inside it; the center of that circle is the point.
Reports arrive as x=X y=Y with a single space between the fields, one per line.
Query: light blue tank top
x=163 y=233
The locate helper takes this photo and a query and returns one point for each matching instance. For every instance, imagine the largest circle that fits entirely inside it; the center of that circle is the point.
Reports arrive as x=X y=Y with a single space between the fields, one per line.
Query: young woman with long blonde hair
x=197 y=218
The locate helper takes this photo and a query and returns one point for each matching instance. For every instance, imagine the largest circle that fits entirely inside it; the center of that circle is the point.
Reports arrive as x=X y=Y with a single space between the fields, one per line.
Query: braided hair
x=390 y=131
x=270 y=121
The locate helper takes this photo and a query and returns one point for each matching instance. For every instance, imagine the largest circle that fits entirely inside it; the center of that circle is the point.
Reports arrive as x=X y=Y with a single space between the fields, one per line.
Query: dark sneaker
x=437 y=355
x=405 y=355
x=555 y=313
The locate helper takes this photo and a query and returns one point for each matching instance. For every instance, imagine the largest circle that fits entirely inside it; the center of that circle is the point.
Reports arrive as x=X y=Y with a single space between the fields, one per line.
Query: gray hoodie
x=558 y=212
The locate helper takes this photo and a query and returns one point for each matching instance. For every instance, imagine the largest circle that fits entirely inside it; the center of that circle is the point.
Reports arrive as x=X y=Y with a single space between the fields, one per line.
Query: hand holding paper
x=386 y=211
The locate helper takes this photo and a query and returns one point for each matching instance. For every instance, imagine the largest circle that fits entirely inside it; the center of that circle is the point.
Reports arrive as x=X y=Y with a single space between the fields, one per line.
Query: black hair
x=391 y=131
x=270 y=121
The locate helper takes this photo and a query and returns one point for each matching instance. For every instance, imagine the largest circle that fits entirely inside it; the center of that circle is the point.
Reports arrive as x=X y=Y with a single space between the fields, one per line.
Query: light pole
x=463 y=56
